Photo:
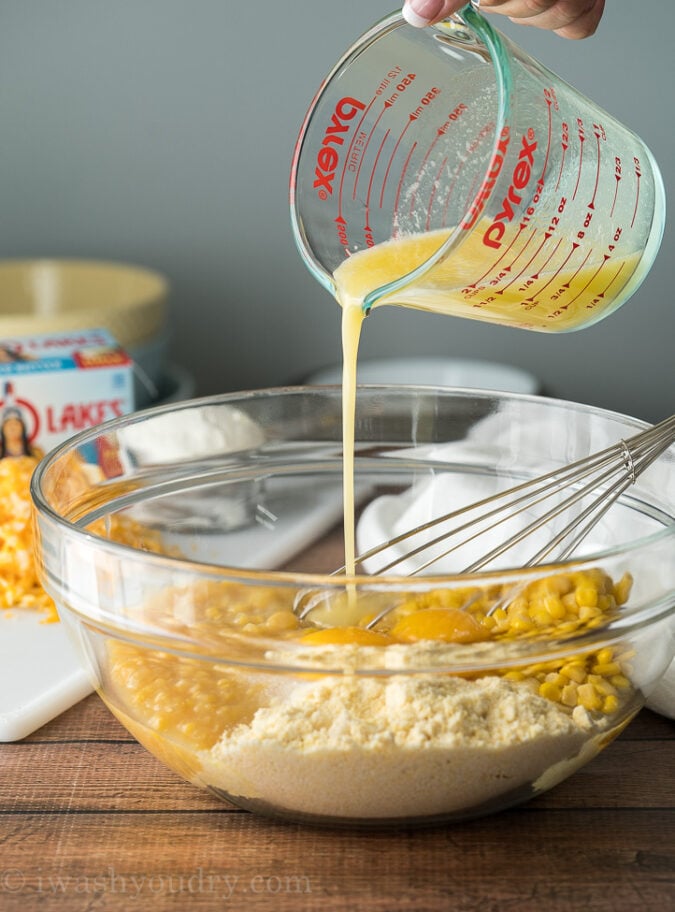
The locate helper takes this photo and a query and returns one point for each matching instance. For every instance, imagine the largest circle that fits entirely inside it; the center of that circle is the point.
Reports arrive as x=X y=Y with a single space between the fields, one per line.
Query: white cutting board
x=40 y=675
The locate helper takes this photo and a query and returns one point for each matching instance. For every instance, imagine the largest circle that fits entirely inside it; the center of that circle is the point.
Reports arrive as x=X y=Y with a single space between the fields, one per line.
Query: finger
x=423 y=12
x=567 y=18
x=586 y=25
x=520 y=9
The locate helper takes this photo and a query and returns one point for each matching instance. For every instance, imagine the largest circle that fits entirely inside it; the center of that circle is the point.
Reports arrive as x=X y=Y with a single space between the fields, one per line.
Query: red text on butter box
x=53 y=386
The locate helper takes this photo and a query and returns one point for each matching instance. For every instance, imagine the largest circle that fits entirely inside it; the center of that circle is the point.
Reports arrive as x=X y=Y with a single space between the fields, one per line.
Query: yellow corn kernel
x=554 y=677
x=540 y=668
x=622 y=589
x=514 y=676
x=569 y=694
x=568 y=626
x=620 y=681
x=610 y=704
x=587 y=597
x=604 y=688
x=500 y=615
x=541 y=617
x=588 y=612
x=555 y=607
x=604 y=655
x=518 y=606
x=280 y=621
x=606 y=669
x=521 y=624
x=559 y=585
x=551 y=691
x=589 y=698
x=574 y=671
x=570 y=602
x=606 y=603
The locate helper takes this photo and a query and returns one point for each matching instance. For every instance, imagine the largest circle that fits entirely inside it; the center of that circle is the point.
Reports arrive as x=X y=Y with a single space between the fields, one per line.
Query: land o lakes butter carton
x=53 y=386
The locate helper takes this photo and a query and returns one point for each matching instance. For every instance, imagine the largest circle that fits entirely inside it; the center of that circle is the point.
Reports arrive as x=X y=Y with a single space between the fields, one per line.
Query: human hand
x=568 y=18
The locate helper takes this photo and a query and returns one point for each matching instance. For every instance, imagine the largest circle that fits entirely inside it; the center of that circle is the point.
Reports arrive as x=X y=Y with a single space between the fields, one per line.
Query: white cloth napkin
x=435 y=492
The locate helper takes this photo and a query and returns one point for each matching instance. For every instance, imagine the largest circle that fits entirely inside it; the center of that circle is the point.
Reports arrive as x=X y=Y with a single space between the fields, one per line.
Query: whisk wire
x=542 y=484
x=604 y=476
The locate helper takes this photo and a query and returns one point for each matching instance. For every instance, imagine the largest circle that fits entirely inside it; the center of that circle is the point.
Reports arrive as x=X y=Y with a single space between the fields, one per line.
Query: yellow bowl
x=49 y=296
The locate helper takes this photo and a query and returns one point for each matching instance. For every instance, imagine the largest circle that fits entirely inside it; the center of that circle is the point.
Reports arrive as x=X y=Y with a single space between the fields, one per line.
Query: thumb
x=422 y=12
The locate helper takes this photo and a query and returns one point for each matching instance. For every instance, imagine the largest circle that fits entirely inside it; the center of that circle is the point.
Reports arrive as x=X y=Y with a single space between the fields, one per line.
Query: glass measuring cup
x=444 y=169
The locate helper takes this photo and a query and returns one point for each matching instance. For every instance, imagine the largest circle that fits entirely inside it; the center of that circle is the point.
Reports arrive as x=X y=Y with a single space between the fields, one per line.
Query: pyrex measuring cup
x=444 y=169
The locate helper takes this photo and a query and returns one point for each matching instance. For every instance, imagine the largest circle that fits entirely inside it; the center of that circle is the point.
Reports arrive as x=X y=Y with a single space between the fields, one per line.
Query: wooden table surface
x=90 y=821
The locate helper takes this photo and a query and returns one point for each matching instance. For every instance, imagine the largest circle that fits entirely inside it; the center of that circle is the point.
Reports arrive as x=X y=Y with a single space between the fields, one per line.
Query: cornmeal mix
x=402 y=746
x=323 y=738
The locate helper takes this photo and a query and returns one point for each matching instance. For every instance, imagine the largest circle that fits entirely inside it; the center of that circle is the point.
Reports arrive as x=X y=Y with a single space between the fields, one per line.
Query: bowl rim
x=43 y=509
x=114 y=622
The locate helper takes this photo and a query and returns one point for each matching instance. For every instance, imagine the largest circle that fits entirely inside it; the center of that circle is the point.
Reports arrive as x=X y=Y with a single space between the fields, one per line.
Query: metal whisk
x=586 y=489
x=598 y=479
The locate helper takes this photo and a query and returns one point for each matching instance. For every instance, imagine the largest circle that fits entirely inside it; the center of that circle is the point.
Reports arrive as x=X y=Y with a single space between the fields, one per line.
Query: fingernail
x=419 y=13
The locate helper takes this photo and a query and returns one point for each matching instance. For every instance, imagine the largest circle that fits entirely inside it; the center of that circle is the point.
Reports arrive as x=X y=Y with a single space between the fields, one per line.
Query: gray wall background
x=160 y=132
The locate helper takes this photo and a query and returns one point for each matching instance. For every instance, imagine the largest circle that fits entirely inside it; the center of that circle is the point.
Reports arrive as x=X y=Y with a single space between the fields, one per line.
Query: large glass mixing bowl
x=182 y=544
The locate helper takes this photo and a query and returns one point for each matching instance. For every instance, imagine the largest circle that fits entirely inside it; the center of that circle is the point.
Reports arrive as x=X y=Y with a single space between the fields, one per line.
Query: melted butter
x=570 y=297
x=352 y=321
x=564 y=294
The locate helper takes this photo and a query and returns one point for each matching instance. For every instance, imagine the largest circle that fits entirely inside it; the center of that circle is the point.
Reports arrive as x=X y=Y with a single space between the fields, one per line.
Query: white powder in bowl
x=394 y=746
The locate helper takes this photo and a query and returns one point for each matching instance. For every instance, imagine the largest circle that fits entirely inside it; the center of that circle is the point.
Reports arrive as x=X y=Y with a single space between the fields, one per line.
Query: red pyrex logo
x=496 y=165
x=327 y=158
x=520 y=178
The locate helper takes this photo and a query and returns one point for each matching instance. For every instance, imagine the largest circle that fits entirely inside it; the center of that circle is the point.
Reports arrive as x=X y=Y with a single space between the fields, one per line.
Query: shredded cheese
x=19 y=583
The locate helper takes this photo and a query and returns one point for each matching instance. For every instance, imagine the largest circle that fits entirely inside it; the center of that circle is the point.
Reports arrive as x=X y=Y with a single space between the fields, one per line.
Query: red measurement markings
x=526 y=266
x=391 y=158
x=612 y=280
x=542 y=268
x=617 y=176
x=638 y=175
x=386 y=105
x=549 y=102
x=564 y=144
x=582 y=140
x=370 y=184
x=579 y=268
x=515 y=260
x=434 y=188
x=399 y=187
x=340 y=218
x=596 y=130
x=498 y=261
x=558 y=270
x=592 y=279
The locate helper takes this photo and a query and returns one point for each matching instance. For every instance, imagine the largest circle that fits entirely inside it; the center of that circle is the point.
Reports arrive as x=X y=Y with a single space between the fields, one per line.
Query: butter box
x=53 y=386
